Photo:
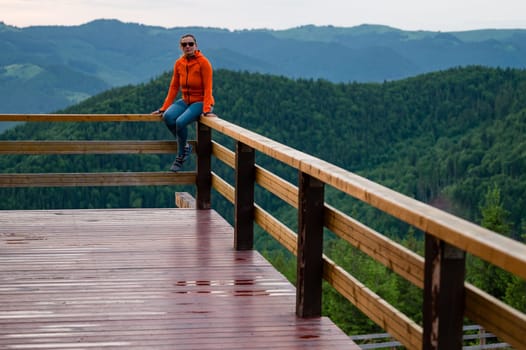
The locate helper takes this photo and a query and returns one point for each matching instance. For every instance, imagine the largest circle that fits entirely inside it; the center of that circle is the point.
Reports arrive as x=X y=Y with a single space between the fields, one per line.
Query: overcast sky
x=435 y=15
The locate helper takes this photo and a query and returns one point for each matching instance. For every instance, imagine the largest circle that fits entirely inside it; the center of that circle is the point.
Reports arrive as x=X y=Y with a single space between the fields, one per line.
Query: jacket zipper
x=187 y=89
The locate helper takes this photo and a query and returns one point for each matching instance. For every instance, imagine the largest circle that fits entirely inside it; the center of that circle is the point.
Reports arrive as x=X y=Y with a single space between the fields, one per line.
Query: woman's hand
x=208 y=114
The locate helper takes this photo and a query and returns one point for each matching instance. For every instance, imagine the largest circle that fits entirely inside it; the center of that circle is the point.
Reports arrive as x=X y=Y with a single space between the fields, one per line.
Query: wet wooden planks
x=143 y=279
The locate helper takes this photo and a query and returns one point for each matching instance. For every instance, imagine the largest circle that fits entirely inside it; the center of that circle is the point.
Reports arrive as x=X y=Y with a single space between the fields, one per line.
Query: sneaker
x=178 y=163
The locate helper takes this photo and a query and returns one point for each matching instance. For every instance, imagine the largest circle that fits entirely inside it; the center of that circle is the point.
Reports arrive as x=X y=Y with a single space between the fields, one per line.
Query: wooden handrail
x=79 y=118
x=442 y=229
x=505 y=321
x=63 y=147
x=490 y=246
x=97 y=179
x=87 y=147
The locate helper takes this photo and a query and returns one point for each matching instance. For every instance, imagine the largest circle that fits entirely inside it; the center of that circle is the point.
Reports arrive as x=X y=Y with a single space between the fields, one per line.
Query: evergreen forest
x=455 y=139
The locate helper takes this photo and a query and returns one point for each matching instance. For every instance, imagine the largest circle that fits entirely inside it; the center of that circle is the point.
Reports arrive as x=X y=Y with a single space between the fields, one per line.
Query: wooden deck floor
x=143 y=279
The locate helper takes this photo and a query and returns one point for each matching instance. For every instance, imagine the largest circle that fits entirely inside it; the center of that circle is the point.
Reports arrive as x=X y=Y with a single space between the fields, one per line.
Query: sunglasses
x=187 y=44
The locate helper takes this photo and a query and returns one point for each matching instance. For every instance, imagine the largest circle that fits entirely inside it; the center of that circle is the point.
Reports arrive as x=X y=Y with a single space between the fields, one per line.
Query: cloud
x=445 y=15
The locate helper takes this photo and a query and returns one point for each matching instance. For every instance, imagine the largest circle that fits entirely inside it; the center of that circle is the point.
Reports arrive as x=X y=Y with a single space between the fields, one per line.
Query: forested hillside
x=455 y=139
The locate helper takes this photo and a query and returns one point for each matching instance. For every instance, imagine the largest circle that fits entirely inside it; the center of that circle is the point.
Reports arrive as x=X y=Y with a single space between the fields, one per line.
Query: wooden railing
x=447 y=297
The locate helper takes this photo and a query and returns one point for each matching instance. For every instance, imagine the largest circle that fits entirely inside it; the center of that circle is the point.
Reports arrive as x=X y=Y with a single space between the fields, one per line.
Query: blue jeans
x=177 y=118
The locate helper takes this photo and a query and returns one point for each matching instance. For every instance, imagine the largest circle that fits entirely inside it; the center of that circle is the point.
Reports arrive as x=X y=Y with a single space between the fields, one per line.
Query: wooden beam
x=444 y=295
x=244 y=204
x=281 y=233
x=204 y=167
x=394 y=256
x=278 y=186
x=503 y=320
x=310 y=246
x=224 y=154
x=97 y=179
x=223 y=188
x=80 y=118
x=88 y=147
x=373 y=306
x=184 y=200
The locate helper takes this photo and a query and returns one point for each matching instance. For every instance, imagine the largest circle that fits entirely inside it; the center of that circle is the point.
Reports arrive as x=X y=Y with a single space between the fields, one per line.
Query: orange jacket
x=193 y=75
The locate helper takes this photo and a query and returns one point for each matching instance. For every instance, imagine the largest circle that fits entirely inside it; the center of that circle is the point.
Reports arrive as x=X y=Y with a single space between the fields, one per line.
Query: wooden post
x=244 y=201
x=443 y=295
x=204 y=166
x=310 y=246
x=184 y=200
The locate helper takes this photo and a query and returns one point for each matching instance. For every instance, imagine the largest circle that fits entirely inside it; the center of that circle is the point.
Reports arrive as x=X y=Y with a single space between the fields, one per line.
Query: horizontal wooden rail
x=491 y=313
x=88 y=147
x=224 y=154
x=377 y=309
x=223 y=187
x=494 y=248
x=79 y=118
x=97 y=179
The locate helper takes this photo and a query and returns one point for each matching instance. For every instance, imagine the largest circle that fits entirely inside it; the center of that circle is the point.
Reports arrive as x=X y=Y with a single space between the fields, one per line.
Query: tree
x=486 y=276
x=516 y=291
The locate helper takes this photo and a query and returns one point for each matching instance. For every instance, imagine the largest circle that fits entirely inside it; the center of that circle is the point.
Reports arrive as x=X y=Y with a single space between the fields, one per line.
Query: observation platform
x=144 y=279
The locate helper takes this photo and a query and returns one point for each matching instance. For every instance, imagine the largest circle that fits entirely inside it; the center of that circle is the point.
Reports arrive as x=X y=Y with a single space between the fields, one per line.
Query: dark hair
x=188 y=35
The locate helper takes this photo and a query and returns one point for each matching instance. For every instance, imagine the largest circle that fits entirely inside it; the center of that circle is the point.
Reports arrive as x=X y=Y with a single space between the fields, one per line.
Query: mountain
x=45 y=87
x=60 y=65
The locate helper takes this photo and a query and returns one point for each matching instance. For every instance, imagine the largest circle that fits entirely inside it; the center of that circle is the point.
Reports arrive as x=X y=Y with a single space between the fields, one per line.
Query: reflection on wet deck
x=143 y=279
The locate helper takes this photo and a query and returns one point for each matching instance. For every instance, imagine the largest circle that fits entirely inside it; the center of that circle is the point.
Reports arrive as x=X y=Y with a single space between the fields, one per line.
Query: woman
x=192 y=75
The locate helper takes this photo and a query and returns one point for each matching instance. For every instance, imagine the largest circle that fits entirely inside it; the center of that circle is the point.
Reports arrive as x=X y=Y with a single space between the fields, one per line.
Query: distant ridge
x=107 y=53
